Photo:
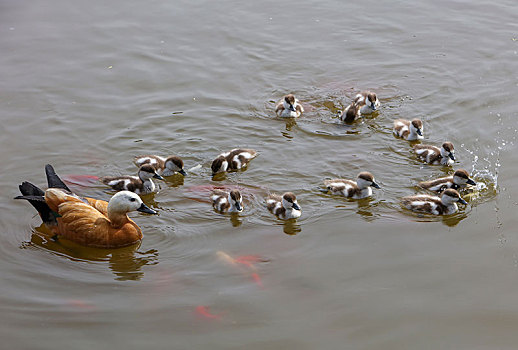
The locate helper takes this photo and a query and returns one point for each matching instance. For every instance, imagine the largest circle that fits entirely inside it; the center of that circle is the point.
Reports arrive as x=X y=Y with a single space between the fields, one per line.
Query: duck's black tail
x=36 y=196
x=53 y=179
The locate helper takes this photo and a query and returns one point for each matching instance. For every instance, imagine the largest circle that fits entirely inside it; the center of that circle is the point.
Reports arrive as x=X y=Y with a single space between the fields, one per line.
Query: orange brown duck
x=86 y=221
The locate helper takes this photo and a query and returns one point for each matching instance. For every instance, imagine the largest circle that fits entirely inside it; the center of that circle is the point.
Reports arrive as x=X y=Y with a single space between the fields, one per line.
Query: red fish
x=257 y=279
x=82 y=180
x=80 y=304
x=203 y=310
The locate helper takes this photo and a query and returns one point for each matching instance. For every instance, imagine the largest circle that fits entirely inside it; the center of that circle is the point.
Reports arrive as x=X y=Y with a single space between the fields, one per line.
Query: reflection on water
x=291 y=227
x=235 y=220
x=126 y=263
x=175 y=180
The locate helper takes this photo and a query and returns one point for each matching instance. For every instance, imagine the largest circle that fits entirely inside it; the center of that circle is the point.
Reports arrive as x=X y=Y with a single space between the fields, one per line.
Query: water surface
x=86 y=87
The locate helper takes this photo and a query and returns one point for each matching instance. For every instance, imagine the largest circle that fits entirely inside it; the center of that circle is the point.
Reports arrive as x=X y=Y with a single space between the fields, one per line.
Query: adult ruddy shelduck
x=86 y=221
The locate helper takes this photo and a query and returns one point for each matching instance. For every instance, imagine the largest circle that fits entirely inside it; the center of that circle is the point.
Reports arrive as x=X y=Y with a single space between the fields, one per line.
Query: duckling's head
x=175 y=163
x=372 y=100
x=366 y=179
x=289 y=102
x=450 y=196
x=219 y=165
x=148 y=171
x=235 y=199
x=289 y=201
x=125 y=201
x=417 y=126
x=447 y=150
x=461 y=177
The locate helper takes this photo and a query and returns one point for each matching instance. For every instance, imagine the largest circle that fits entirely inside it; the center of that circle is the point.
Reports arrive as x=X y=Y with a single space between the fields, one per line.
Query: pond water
x=86 y=86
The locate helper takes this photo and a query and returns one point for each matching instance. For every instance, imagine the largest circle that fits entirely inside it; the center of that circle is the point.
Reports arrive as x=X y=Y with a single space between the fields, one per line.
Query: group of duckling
x=366 y=102
x=97 y=223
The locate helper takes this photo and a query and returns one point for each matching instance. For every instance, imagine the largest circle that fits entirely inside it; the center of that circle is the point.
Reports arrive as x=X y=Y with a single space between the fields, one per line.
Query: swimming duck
x=164 y=166
x=288 y=107
x=458 y=181
x=350 y=113
x=140 y=184
x=227 y=201
x=86 y=221
x=348 y=188
x=444 y=205
x=409 y=130
x=285 y=207
x=435 y=155
x=368 y=102
x=234 y=160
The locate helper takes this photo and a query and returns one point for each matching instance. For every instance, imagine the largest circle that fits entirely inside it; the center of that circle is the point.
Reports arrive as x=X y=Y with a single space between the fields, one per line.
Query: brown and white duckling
x=444 y=205
x=234 y=160
x=459 y=180
x=348 y=188
x=227 y=201
x=140 y=184
x=350 y=113
x=435 y=155
x=285 y=207
x=409 y=130
x=288 y=107
x=164 y=166
x=368 y=102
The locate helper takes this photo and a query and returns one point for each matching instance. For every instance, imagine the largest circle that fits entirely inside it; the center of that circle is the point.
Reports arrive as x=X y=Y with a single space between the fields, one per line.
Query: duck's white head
x=289 y=201
x=126 y=201
x=416 y=127
x=450 y=196
x=175 y=163
x=461 y=177
x=235 y=200
x=447 y=151
x=148 y=171
x=366 y=179
x=290 y=102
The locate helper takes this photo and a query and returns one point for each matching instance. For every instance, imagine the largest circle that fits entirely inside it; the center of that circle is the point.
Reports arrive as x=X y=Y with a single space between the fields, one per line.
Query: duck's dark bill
x=145 y=209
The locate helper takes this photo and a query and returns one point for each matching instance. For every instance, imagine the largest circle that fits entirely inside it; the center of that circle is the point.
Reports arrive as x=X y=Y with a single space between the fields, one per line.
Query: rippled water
x=86 y=87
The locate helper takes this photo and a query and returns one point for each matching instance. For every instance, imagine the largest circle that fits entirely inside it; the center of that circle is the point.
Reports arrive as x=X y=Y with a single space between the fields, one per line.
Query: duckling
x=458 y=181
x=86 y=221
x=409 y=130
x=433 y=155
x=288 y=107
x=285 y=207
x=350 y=113
x=164 y=166
x=368 y=102
x=140 y=184
x=234 y=160
x=445 y=205
x=348 y=188
x=227 y=201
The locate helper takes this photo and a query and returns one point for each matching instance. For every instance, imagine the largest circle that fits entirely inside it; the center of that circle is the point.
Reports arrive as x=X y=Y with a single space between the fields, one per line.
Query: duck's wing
x=78 y=221
x=156 y=161
x=100 y=205
x=279 y=108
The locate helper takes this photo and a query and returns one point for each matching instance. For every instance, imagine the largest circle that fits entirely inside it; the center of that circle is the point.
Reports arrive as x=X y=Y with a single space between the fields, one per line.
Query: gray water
x=86 y=86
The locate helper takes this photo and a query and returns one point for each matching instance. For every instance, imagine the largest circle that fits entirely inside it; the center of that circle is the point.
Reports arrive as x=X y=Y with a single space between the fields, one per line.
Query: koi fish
x=81 y=180
x=203 y=310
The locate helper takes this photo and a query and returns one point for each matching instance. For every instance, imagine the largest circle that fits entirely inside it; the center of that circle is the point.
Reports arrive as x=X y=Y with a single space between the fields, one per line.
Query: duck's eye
x=133 y=199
